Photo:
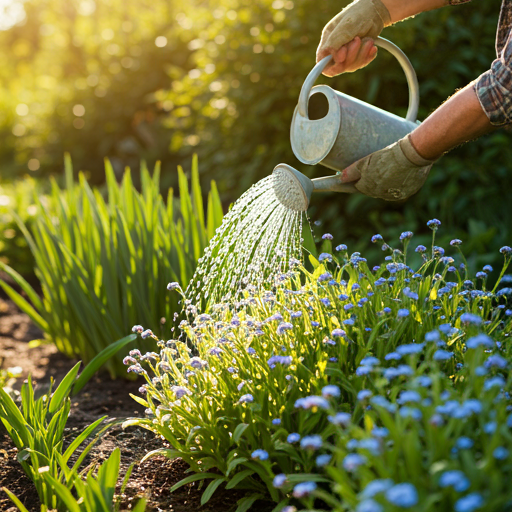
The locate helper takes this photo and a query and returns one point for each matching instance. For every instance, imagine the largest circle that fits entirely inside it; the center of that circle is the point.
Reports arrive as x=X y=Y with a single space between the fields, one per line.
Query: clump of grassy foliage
x=345 y=387
x=102 y=262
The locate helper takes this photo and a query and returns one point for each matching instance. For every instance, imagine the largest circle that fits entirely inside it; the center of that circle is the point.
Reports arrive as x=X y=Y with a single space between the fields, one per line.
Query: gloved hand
x=393 y=173
x=362 y=18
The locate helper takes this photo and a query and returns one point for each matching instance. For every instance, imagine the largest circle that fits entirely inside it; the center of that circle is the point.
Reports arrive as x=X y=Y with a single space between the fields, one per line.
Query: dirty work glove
x=393 y=173
x=363 y=18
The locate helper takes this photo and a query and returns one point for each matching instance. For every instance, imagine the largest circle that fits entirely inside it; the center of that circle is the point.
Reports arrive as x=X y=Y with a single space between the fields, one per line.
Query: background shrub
x=225 y=85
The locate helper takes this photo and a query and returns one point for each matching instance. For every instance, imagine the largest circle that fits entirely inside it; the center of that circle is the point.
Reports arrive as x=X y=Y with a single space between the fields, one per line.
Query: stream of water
x=256 y=241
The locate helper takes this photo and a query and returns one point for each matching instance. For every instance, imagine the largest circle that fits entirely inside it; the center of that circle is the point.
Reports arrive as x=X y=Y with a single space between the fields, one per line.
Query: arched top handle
x=410 y=74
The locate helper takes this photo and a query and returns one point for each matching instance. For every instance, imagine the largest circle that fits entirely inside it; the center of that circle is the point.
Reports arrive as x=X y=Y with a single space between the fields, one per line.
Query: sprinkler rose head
x=292 y=188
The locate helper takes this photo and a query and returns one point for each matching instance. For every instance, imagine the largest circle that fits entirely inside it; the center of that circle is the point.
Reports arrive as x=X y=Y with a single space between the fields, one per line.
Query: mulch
x=101 y=396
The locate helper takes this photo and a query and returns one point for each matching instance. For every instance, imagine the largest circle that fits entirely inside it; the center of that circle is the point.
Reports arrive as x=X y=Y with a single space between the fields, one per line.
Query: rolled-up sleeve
x=494 y=87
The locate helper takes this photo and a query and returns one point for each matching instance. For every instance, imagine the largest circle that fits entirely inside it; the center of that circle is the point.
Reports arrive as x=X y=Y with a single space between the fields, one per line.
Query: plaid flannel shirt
x=494 y=87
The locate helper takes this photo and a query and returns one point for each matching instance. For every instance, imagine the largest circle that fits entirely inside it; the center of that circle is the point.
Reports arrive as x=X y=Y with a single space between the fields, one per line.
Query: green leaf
x=15 y=500
x=234 y=463
x=62 y=492
x=141 y=506
x=63 y=391
x=193 y=478
x=239 y=477
x=212 y=487
x=239 y=430
x=99 y=360
x=166 y=452
x=245 y=503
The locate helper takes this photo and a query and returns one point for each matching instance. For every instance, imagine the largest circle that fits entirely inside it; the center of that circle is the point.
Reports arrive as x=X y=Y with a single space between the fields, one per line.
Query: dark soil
x=101 y=396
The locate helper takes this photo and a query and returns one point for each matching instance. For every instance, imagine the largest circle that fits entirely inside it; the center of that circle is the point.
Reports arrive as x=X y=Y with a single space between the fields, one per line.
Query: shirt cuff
x=494 y=89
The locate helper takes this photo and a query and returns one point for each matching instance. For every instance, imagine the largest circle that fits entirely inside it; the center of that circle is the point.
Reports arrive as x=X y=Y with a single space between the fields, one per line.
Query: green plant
x=94 y=494
x=243 y=383
x=8 y=376
x=103 y=263
x=37 y=428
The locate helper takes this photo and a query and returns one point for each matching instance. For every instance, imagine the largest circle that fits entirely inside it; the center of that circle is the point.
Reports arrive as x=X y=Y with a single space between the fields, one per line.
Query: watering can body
x=351 y=129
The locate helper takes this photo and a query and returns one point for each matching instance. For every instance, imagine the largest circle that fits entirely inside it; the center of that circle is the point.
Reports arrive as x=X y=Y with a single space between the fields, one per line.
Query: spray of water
x=257 y=239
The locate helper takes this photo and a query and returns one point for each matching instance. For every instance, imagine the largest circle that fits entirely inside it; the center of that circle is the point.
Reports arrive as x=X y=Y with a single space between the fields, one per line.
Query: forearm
x=402 y=9
x=459 y=119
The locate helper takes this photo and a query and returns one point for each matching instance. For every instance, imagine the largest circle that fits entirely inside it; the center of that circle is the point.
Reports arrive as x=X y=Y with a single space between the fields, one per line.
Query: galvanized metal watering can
x=351 y=129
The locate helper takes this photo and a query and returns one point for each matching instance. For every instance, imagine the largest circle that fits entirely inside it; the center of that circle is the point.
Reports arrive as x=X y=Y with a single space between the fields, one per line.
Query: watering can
x=350 y=130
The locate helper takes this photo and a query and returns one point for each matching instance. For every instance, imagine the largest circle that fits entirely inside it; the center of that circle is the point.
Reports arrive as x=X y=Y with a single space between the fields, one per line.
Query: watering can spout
x=294 y=189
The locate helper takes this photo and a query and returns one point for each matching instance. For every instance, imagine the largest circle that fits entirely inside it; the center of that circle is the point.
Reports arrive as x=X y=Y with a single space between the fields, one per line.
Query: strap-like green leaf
x=99 y=360
x=212 y=487
x=239 y=430
x=63 y=391
x=15 y=500
x=239 y=477
x=193 y=478
x=247 y=502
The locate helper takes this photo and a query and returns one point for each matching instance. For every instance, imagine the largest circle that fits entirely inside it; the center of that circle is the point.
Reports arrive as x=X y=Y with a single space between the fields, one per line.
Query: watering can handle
x=410 y=74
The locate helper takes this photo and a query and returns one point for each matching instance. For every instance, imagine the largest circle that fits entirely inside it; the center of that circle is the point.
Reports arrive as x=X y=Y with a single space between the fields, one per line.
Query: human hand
x=393 y=173
x=361 y=19
x=350 y=57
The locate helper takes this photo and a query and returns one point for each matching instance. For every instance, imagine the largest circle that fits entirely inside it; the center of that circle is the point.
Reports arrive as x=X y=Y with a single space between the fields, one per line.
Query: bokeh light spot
x=22 y=109
x=79 y=110
x=19 y=129
x=161 y=41
x=78 y=123
x=33 y=164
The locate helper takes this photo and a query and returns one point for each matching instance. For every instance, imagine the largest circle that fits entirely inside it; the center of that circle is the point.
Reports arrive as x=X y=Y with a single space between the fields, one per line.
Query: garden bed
x=101 y=396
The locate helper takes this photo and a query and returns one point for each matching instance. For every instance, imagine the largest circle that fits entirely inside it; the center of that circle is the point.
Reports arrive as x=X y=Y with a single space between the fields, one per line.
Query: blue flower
x=383 y=402
x=464 y=443
x=279 y=480
x=387 y=310
x=173 y=286
x=455 y=242
x=381 y=281
x=402 y=495
x=434 y=224
x=369 y=361
x=442 y=355
x=470 y=318
x=352 y=461
x=327 y=236
x=293 y=438
x=137 y=328
x=376 y=238
x=456 y=479
x=325 y=256
x=480 y=340
x=402 y=370
x=363 y=370
x=432 y=336
x=392 y=356
x=506 y=250
x=487 y=268
x=146 y=334
x=296 y=314
x=371 y=444
x=469 y=503
x=409 y=396
x=380 y=432
x=326 y=302
x=410 y=294
x=494 y=382
x=248 y=398
x=411 y=412
x=340 y=418
x=349 y=321
x=341 y=247
x=259 y=455
x=312 y=401
x=402 y=313
x=406 y=235
x=323 y=460
x=438 y=250
x=128 y=360
x=180 y=391
x=424 y=381
x=410 y=348
x=420 y=248
x=331 y=391
x=311 y=442
x=303 y=489
x=337 y=333
x=495 y=361
x=376 y=487
x=326 y=276
x=369 y=506
x=481 y=275
x=364 y=394
x=500 y=453
x=343 y=297
x=276 y=421
x=283 y=327
x=490 y=428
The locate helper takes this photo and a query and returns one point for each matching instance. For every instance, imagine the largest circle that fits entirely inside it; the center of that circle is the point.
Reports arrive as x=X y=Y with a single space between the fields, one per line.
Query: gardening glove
x=393 y=173
x=362 y=18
